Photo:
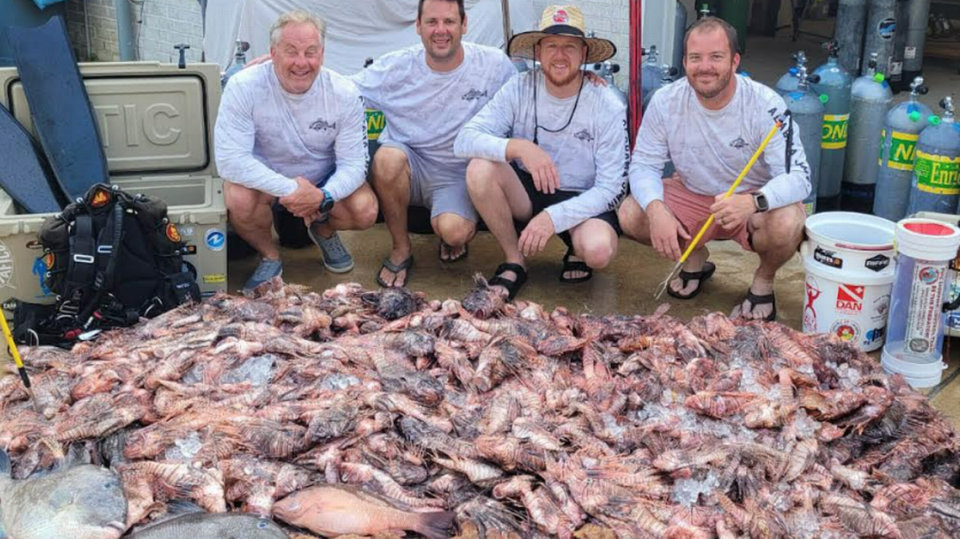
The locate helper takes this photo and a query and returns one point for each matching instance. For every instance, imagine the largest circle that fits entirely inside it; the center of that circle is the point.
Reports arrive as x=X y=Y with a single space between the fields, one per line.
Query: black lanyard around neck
x=536 y=119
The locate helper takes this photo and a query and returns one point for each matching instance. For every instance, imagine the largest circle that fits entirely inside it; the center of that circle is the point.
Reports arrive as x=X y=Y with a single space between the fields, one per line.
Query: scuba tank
x=806 y=108
x=606 y=71
x=870 y=99
x=851 y=22
x=788 y=82
x=919 y=11
x=900 y=133
x=935 y=184
x=835 y=83
x=239 y=61
x=679 y=32
x=667 y=75
x=880 y=33
x=650 y=71
x=895 y=75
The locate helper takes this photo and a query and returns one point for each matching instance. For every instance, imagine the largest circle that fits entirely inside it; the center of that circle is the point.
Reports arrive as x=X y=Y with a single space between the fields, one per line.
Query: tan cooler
x=156 y=124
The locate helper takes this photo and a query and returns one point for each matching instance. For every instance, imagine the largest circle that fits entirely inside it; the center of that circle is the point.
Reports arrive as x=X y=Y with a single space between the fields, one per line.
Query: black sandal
x=512 y=286
x=574 y=265
x=395 y=269
x=761 y=300
x=686 y=276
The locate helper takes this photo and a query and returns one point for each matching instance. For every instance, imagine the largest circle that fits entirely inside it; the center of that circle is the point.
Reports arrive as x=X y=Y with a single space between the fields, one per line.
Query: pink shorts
x=693 y=210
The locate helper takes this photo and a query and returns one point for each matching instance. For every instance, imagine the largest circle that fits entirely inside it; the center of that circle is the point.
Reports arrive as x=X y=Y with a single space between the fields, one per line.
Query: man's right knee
x=389 y=164
x=481 y=176
x=633 y=221
x=242 y=202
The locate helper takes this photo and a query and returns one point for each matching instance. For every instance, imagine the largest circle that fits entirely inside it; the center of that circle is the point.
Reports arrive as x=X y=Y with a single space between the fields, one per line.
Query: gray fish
x=81 y=502
x=200 y=525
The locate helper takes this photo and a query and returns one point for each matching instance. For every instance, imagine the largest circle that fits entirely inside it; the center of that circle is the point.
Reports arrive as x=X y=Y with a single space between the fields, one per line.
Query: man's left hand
x=734 y=211
x=305 y=201
x=537 y=233
x=595 y=79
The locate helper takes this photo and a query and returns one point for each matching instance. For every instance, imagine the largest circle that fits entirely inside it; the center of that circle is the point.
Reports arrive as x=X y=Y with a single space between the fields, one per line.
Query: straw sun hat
x=562 y=20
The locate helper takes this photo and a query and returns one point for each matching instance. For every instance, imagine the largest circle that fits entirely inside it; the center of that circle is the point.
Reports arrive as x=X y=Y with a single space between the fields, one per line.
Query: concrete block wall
x=160 y=24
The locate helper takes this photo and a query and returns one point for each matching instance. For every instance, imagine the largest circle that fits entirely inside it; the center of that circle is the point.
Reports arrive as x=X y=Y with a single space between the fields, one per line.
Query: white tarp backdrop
x=356 y=29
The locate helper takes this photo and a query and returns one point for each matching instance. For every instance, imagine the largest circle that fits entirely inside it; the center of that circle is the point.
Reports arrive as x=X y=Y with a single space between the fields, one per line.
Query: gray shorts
x=439 y=188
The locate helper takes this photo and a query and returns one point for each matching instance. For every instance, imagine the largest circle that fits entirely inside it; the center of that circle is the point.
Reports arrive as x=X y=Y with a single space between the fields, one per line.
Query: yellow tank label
x=213 y=278
x=834 y=131
x=900 y=153
x=938 y=174
x=376 y=121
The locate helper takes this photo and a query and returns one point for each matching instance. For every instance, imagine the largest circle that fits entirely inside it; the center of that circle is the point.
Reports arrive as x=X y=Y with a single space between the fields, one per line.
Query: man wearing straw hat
x=550 y=151
x=710 y=124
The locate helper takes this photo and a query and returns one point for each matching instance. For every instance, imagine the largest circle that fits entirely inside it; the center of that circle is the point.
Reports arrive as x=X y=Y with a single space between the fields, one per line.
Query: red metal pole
x=634 y=98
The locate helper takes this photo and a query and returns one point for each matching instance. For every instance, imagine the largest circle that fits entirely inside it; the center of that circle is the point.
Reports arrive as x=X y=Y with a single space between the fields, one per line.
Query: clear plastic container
x=915 y=328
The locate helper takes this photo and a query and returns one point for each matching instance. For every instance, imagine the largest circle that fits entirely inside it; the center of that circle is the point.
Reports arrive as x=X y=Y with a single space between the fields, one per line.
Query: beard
x=556 y=81
x=722 y=81
x=436 y=55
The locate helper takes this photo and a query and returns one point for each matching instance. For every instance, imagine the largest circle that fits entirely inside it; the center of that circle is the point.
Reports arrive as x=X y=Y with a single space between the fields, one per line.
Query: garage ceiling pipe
x=126 y=33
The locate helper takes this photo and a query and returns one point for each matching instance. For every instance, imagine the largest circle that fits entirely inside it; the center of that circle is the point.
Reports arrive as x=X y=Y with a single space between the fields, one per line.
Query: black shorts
x=541 y=201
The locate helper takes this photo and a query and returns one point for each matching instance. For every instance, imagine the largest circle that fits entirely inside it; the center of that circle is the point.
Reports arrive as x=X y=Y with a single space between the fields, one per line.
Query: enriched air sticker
x=214 y=278
x=376 y=121
x=937 y=174
x=215 y=239
x=835 y=131
x=900 y=153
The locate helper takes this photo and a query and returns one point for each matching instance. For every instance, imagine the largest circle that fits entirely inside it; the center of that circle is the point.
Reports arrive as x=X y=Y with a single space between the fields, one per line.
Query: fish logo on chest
x=321 y=125
x=583 y=136
x=474 y=95
x=739 y=143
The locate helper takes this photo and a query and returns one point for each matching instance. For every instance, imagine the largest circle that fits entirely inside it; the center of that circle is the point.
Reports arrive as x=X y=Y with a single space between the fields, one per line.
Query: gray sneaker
x=336 y=257
x=268 y=269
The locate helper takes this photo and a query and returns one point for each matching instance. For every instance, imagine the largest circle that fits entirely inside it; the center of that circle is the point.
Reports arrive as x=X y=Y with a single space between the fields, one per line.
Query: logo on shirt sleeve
x=321 y=125
x=739 y=143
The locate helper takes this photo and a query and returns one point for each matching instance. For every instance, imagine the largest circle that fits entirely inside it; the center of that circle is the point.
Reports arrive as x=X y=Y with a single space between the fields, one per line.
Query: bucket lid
x=852 y=231
x=917 y=374
x=927 y=239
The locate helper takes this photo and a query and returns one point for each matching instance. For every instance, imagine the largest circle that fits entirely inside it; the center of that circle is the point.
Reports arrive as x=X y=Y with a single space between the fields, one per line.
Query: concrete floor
x=627 y=286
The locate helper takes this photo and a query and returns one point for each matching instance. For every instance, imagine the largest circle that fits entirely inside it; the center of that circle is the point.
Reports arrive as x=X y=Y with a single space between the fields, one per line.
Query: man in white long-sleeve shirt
x=292 y=131
x=568 y=140
x=427 y=92
x=710 y=124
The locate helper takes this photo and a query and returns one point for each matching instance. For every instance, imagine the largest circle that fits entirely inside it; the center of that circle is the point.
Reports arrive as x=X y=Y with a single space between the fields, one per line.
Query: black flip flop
x=512 y=286
x=686 y=276
x=574 y=265
x=761 y=300
x=395 y=269
x=463 y=254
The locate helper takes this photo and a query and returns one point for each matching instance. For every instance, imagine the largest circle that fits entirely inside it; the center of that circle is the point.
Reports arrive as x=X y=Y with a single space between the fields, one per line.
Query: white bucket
x=848 y=258
x=918 y=375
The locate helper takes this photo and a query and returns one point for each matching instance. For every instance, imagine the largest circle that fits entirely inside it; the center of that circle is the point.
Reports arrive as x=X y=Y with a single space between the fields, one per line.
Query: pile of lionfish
x=351 y=411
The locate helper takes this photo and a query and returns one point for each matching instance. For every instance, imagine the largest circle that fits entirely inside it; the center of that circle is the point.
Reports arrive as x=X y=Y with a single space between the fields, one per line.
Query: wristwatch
x=760 y=201
x=327 y=203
